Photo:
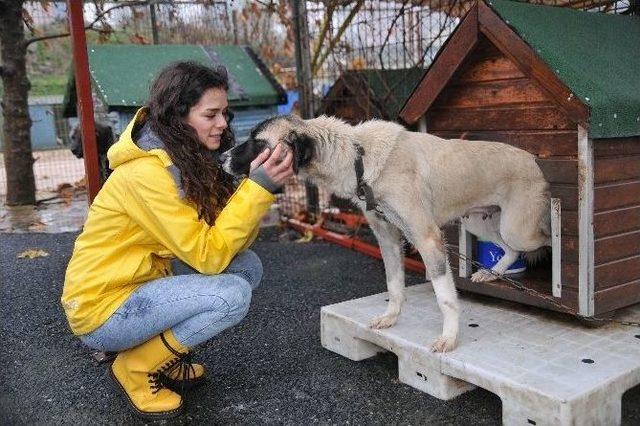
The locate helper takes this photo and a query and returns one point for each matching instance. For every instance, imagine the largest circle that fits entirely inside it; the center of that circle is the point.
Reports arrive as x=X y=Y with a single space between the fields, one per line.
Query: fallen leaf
x=63 y=186
x=66 y=194
x=32 y=254
x=306 y=237
x=37 y=226
x=82 y=183
x=545 y=153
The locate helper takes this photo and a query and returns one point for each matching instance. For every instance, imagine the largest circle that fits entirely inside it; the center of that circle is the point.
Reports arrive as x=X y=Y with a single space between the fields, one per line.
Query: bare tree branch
x=323 y=33
x=393 y=24
x=264 y=3
x=90 y=26
x=442 y=28
x=338 y=36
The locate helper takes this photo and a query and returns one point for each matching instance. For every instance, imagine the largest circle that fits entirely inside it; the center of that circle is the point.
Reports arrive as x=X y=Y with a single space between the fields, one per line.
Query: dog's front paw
x=444 y=344
x=483 y=275
x=383 y=321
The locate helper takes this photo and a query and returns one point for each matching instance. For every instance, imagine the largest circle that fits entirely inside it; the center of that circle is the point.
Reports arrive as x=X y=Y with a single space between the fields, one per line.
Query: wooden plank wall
x=617 y=222
x=489 y=98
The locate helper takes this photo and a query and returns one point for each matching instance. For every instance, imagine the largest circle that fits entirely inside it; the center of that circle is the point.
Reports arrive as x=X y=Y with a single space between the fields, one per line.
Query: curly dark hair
x=176 y=89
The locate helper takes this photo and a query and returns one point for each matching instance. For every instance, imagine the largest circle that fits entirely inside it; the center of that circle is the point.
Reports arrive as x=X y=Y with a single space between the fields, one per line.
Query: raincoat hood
x=126 y=149
x=146 y=144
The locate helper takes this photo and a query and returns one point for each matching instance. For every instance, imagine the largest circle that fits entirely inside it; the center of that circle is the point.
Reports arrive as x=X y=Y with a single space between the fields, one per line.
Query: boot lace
x=179 y=368
x=155 y=382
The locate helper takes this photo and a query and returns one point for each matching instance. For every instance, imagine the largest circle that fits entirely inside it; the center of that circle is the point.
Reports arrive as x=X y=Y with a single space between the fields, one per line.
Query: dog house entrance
x=545 y=276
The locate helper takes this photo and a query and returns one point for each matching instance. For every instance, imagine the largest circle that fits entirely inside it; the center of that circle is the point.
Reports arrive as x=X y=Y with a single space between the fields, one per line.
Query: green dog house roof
x=121 y=74
x=595 y=55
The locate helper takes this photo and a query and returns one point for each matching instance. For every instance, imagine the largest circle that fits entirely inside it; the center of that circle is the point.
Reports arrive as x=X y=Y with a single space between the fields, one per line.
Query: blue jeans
x=194 y=306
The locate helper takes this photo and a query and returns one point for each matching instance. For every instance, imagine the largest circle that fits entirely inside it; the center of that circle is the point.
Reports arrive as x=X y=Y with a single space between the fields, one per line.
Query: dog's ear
x=302 y=146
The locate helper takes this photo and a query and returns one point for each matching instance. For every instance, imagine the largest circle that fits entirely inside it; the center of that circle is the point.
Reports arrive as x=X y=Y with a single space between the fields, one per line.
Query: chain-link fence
x=53 y=164
x=367 y=57
x=261 y=25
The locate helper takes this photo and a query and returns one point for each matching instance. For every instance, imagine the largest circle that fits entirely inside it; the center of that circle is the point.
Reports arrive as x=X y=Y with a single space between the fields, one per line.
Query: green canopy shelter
x=121 y=76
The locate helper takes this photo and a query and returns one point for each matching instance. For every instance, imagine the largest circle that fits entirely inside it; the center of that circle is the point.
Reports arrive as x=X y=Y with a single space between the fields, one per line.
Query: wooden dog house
x=564 y=85
x=360 y=95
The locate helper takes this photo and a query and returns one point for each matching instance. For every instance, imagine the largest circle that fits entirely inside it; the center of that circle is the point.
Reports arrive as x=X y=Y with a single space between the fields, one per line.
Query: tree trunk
x=18 y=158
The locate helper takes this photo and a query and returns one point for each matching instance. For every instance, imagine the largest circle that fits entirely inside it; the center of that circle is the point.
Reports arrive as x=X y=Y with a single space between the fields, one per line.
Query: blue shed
x=48 y=129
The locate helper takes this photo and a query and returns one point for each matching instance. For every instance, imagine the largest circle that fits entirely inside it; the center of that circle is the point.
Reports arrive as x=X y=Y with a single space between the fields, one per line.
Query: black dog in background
x=104 y=139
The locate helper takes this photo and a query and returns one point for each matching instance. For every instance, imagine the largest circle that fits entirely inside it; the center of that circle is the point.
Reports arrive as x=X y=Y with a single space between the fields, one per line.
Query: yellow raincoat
x=138 y=222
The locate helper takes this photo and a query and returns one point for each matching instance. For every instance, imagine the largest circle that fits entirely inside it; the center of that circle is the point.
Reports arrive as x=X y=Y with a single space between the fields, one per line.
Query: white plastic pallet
x=546 y=370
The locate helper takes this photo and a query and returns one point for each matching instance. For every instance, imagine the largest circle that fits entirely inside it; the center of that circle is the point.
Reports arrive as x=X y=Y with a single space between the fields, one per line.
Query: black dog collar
x=363 y=190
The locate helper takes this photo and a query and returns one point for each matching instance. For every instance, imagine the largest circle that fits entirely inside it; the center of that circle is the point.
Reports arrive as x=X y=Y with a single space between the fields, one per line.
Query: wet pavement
x=270 y=369
x=54 y=213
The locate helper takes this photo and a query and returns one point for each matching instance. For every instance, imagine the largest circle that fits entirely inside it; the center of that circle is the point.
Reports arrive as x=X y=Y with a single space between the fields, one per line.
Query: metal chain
x=550 y=299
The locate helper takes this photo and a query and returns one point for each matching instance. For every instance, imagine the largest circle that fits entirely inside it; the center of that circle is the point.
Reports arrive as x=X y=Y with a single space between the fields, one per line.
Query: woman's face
x=208 y=117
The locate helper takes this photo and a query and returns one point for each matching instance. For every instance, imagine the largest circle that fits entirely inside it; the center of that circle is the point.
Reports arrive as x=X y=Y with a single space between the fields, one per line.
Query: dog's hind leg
x=389 y=238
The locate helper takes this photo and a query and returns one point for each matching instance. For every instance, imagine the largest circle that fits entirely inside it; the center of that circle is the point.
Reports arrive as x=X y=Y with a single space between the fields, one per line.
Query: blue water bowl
x=489 y=254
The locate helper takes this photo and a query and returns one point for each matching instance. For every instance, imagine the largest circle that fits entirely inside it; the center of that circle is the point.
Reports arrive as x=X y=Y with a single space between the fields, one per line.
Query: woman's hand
x=275 y=166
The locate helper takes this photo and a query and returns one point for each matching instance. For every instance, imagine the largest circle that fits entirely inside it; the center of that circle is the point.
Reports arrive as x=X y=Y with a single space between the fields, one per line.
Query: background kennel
x=121 y=75
x=359 y=95
x=563 y=85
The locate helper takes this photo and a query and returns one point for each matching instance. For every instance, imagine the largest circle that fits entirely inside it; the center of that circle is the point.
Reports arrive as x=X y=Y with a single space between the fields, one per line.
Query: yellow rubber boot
x=180 y=373
x=137 y=372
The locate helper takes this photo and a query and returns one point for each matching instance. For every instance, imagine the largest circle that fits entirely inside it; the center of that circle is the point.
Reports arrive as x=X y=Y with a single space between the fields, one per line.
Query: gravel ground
x=270 y=369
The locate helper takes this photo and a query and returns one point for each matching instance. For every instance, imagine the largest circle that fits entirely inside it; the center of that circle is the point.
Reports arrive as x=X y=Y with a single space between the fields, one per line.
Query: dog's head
x=290 y=131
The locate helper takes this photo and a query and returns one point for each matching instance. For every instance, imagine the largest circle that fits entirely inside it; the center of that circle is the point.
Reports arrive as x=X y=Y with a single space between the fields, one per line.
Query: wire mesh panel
x=293 y=203
x=54 y=164
x=57 y=167
x=51 y=168
x=368 y=56
x=262 y=25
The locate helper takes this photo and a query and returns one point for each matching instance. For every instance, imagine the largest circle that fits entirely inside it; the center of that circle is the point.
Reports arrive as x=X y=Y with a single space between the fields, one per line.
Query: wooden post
x=465 y=248
x=556 y=247
x=303 y=58
x=586 y=285
x=85 y=100
x=305 y=83
x=154 y=23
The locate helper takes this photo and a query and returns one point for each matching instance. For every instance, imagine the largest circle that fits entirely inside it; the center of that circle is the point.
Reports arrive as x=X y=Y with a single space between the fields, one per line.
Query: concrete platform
x=547 y=370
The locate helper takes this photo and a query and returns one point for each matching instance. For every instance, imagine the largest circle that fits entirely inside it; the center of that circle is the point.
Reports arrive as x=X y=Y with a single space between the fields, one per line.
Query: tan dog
x=417 y=183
